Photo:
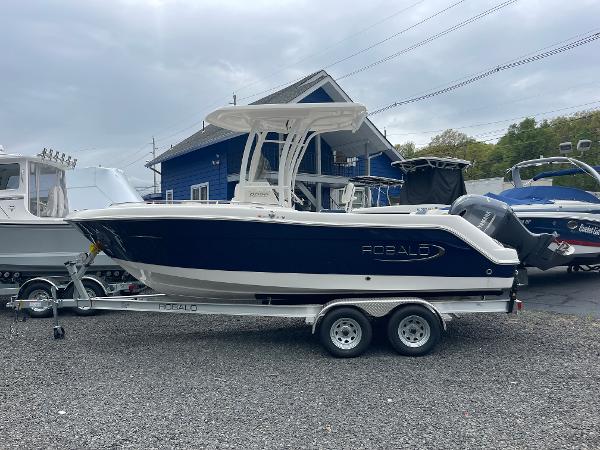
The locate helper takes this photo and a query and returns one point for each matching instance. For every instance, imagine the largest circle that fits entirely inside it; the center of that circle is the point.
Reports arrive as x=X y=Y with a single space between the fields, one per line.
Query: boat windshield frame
x=515 y=170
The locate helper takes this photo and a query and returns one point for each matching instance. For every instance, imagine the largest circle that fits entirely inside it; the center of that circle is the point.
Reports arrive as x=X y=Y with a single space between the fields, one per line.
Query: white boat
x=259 y=246
x=35 y=239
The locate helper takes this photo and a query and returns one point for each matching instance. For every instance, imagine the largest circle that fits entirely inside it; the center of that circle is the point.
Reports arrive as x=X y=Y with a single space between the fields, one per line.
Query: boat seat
x=348 y=196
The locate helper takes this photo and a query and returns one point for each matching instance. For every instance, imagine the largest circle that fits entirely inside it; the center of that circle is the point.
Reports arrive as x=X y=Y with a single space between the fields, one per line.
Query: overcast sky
x=98 y=79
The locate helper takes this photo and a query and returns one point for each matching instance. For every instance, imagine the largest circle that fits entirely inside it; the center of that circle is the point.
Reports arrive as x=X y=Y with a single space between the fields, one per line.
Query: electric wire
x=326 y=50
x=329 y=48
x=475 y=125
x=421 y=22
x=436 y=36
x=497 y=69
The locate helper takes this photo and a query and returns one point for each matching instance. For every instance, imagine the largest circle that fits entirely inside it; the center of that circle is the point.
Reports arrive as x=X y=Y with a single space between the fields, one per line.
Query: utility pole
x=153 y=158
x=234 y=103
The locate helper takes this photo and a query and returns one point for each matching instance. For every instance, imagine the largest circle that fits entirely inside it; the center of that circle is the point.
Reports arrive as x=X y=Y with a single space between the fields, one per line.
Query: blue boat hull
x=583 y=234
x=188 y=256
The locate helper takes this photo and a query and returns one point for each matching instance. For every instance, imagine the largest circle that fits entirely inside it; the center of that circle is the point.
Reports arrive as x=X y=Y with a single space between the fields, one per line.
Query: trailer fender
x=379 y=307
x=48 y=280
x=91 y=278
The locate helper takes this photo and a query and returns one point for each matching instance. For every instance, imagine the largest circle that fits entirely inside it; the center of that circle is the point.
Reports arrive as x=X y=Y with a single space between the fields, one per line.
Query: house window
x=169 y=196
x=359 y=194
x=199 y=191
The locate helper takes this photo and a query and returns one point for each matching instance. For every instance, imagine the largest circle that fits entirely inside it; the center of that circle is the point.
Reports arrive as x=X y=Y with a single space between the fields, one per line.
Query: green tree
x=407 y=150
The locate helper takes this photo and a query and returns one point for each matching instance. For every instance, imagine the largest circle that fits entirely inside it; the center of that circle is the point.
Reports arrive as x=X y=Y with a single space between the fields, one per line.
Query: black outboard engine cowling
x=497 y=220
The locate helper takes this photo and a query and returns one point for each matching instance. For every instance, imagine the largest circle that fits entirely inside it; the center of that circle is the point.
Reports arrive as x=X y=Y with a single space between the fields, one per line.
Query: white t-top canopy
x=297 y=125
x=319 y=117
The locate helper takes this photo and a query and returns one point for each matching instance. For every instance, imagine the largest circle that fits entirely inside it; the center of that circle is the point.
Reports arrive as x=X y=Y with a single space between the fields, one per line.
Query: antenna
x=153 y=158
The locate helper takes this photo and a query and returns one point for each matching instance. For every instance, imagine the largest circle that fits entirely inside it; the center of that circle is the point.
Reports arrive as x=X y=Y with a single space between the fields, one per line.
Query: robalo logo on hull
x=403 y=252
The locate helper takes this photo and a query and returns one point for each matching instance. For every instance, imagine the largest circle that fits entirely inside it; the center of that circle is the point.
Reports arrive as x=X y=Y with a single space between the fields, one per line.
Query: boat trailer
x=414 y=325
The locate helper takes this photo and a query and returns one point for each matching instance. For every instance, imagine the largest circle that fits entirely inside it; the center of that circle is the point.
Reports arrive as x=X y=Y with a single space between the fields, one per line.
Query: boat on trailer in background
x=258 y=255
x=35 y=239
x=571 y=212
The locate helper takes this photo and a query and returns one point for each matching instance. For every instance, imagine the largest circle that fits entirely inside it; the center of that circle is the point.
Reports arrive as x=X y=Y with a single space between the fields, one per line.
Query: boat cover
x=540 y=195
x=430 y=185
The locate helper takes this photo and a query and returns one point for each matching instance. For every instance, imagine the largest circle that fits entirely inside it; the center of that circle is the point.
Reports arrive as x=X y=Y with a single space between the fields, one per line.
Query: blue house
x=206 y=165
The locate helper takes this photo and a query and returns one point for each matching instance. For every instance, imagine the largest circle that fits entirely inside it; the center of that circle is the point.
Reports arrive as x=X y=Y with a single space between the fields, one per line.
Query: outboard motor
x=497 y=220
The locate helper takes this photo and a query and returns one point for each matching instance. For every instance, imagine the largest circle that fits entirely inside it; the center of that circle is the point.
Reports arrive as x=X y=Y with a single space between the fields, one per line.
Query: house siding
x=381 y=166
x=318 y=96
x=206 y=165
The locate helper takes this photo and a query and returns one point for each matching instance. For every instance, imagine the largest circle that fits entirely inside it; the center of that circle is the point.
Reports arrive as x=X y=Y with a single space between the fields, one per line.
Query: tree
x=450 y=143
x=407 y=150
x=525 y=140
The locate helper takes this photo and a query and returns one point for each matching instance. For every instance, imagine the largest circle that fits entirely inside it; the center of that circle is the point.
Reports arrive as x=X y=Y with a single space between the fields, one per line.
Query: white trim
x=333 y=180
x=242 y=284
x=199 y=186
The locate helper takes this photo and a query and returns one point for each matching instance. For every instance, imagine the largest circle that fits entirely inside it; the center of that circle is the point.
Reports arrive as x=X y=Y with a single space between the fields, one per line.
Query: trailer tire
x=345 y=332
x=413 y=330
x=93 y=289
x=37 y=290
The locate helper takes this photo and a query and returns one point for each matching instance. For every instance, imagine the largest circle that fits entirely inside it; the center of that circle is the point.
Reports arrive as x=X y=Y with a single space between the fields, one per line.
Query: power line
x=273 y=88
x=557 y=122
x=462 y=24
x=475 y=125
x=500 y=68
x=145 y=155
x=372 y=46
x=126 y=157
x=327 y=49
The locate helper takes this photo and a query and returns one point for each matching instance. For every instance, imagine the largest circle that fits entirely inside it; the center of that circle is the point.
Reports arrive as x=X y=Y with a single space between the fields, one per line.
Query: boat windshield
x=9 y=176
x=47 y=191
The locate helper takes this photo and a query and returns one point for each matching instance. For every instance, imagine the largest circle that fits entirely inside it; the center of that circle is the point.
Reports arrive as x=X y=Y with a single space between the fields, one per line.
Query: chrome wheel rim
x=39 y=294
x=345 y=333
x=414 y=331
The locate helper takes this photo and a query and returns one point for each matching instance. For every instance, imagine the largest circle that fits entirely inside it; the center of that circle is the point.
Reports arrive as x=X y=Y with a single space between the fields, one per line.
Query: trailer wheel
x=93 y=289
x=413 y=330
x=38 y=290
x=345 y=332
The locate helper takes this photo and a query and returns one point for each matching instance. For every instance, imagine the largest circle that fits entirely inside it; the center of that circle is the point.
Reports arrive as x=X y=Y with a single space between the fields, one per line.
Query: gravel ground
x=159 y=380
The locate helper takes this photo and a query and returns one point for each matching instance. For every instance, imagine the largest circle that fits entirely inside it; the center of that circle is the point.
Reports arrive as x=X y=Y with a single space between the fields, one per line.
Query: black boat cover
x=432 y=185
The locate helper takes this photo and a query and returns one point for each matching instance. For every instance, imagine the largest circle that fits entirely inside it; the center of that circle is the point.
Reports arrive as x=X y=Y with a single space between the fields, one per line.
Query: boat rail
x=515 y=170
x=202 y=202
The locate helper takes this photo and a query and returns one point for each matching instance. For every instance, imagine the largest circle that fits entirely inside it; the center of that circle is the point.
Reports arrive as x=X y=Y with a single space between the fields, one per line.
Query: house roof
x=212 y=134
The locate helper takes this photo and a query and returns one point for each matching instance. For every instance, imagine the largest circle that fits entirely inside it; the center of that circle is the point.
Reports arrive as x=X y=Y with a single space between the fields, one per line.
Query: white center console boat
x=260 y=246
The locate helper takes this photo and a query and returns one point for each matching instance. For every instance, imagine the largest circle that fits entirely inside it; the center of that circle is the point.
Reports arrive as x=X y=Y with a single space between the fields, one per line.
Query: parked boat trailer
x=414 y=325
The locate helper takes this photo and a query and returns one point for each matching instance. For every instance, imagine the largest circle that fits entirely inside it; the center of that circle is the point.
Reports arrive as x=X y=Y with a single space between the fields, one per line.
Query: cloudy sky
x=99 y=79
